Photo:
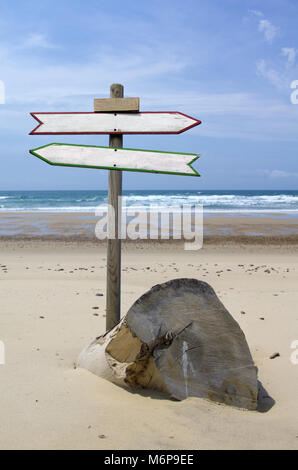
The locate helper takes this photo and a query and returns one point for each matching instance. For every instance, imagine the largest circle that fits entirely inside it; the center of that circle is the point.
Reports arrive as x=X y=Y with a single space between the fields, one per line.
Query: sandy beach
x=52 y=294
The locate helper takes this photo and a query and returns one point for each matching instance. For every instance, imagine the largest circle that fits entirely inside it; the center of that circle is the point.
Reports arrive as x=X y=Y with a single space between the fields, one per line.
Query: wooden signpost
x=115 y=116
x=113 y=299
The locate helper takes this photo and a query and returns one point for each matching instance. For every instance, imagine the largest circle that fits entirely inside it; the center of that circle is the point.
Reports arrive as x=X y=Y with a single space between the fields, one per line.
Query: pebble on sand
x=274 y=355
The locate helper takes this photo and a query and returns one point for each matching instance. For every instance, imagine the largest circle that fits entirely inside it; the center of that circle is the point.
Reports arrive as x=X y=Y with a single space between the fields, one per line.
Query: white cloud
x=73 y=84
x=272 y=75
x=255 y=12
x=281 y=75
x=268 y=29
x=290 y=53
x=265 y=26
x=37 y=40
x=278 y=173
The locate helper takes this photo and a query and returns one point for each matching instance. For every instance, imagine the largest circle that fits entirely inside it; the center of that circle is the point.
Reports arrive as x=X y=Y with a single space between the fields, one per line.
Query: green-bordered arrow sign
x=91 y=156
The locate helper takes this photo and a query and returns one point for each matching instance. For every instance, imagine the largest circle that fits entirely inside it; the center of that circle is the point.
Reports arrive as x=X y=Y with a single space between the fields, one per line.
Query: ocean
x=214 y=201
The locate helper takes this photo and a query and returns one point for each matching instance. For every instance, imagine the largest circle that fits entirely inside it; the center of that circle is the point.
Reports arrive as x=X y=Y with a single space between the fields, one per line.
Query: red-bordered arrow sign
x=155 y=122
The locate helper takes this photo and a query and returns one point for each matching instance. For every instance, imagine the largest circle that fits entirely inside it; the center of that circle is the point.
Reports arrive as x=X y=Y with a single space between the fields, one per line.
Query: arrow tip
x=195 y=173
x=40 y=123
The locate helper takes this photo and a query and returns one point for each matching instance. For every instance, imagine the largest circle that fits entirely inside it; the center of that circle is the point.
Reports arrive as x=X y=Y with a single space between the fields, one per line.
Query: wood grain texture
x=180 y=339
x=113 y=354
x=207 y=354
x=116 y=104
x=113 y=303
x=117 y=158
x=68 y=123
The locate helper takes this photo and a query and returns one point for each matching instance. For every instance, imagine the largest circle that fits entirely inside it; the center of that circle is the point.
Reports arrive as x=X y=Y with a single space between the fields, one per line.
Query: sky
x=229 y=63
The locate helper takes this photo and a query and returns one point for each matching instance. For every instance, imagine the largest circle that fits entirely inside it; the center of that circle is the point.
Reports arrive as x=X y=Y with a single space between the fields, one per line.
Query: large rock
x=179 y=338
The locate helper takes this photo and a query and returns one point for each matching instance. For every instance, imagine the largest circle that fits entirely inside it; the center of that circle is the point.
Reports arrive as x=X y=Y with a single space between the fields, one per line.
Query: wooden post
x=113 y=304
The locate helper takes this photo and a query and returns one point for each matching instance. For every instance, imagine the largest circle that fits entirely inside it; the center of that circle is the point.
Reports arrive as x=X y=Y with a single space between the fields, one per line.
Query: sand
x=50 y=311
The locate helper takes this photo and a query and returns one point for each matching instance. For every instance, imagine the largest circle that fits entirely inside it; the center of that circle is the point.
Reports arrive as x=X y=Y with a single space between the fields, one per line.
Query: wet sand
x=218 y=229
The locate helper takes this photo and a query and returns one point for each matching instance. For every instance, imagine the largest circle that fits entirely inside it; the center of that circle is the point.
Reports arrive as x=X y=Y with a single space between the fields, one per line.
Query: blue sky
x=229 y=63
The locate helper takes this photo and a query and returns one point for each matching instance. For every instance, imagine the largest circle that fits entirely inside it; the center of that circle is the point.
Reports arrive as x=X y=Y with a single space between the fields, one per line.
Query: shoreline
x=80 y=227
x=213 y=241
